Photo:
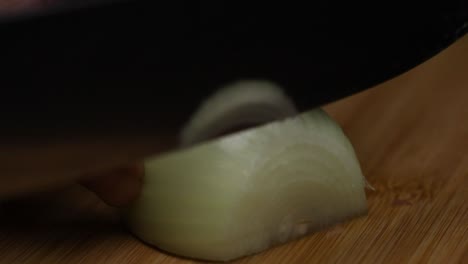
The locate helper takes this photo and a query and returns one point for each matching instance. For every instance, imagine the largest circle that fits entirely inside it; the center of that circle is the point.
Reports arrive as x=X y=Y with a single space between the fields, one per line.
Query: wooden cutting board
x=411 y=137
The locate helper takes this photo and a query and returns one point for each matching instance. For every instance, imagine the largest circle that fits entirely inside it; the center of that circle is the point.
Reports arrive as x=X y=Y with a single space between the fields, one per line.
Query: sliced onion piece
x=247 y=192
x=239 y=105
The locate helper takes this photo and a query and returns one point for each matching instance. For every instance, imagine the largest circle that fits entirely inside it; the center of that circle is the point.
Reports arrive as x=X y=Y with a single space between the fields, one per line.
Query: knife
x=89 y=86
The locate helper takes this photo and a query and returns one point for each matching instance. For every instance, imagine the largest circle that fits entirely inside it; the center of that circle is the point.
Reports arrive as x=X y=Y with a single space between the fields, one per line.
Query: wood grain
x=411 y=137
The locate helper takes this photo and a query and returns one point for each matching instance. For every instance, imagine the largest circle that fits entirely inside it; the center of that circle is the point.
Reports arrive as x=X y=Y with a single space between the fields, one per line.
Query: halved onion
x=243 y=193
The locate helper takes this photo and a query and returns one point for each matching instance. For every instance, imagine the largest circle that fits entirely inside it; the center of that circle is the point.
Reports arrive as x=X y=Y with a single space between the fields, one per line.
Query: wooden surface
x=411 y=137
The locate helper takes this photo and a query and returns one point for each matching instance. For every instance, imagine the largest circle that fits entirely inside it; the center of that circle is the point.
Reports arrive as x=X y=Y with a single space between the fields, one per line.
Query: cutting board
x=411 y=138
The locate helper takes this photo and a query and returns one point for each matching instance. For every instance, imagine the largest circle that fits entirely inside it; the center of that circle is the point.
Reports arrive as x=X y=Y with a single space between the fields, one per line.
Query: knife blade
x=80 y=80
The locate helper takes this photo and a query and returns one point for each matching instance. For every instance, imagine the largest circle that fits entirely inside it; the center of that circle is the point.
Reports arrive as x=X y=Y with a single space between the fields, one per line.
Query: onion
x=246 y=192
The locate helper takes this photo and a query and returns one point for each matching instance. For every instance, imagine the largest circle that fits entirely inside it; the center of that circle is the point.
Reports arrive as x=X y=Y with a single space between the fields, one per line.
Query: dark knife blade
x=138 y=69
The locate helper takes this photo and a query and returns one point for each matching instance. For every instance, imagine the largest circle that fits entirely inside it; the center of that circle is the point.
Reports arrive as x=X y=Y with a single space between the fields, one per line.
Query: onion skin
x=247 y=192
